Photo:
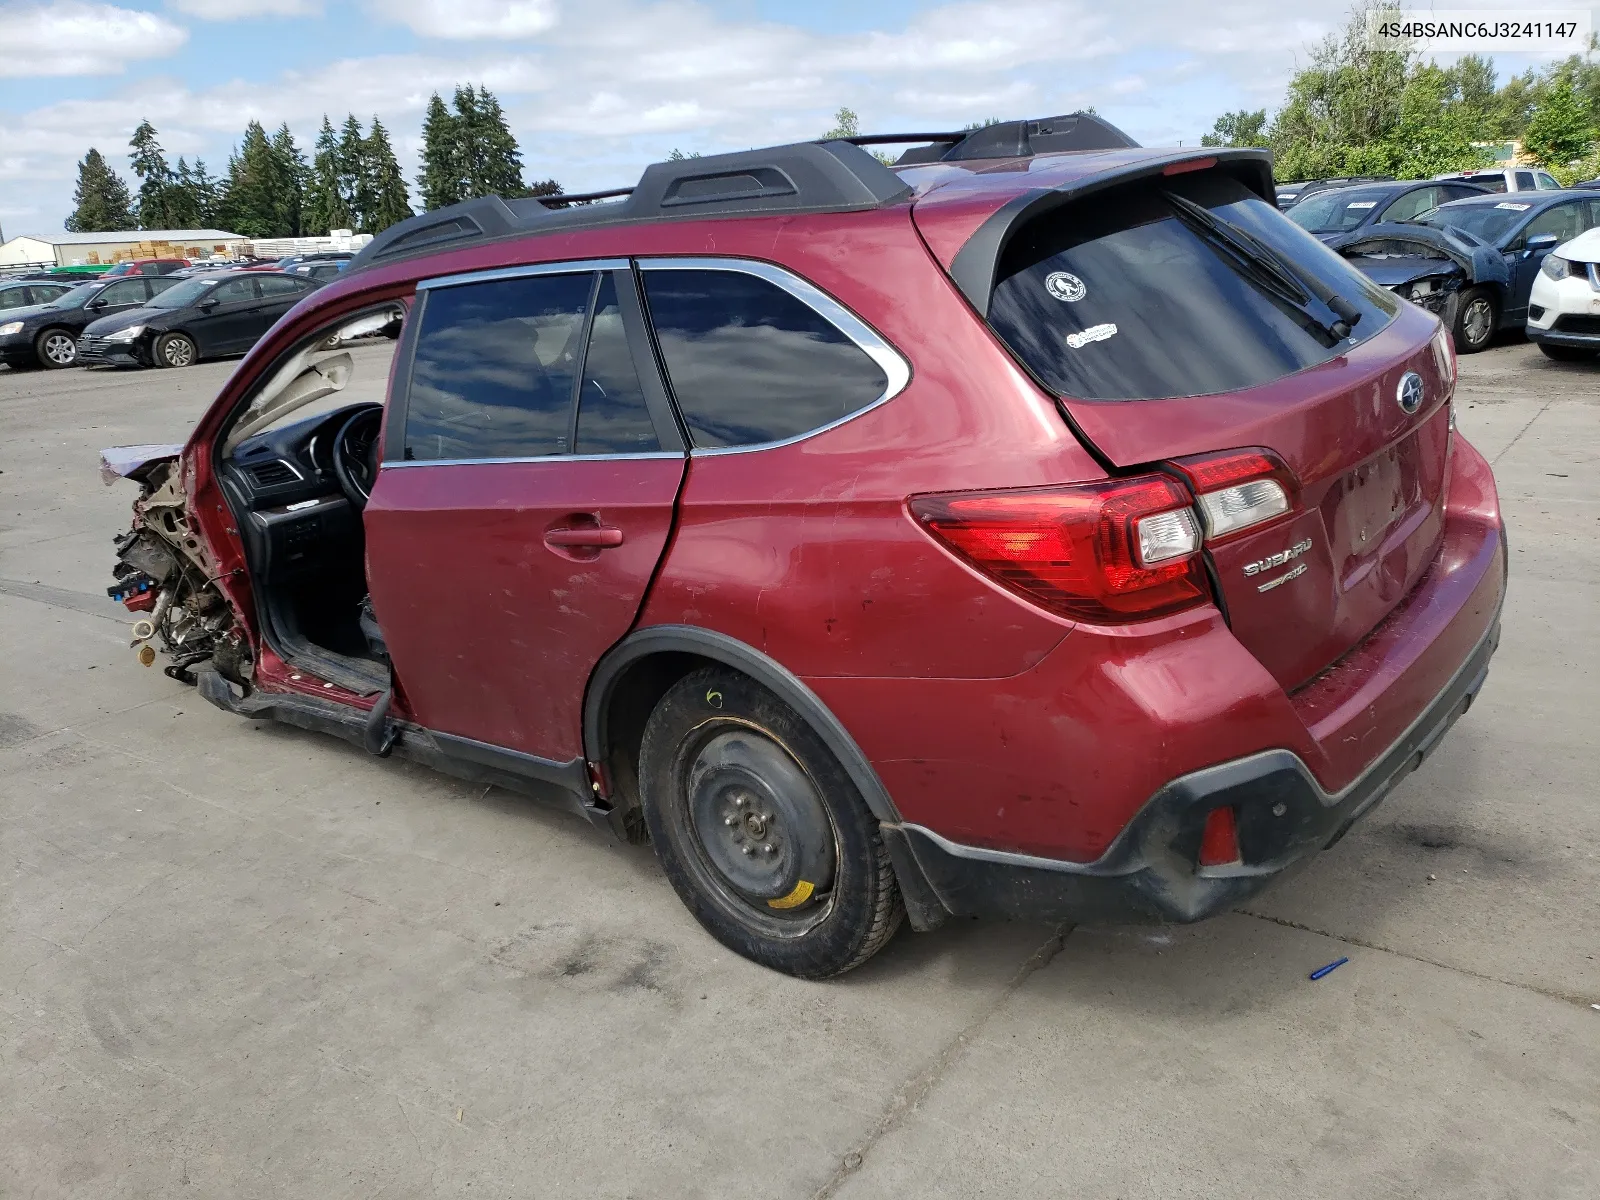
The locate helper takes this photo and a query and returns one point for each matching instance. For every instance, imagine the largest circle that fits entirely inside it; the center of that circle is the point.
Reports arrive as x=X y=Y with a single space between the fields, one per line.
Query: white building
x=89 y=249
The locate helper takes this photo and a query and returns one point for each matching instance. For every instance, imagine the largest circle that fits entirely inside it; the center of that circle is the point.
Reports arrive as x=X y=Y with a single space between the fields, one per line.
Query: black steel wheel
x=175 y=350
x=761 y=832
x=55 y=349
x=1477 y=319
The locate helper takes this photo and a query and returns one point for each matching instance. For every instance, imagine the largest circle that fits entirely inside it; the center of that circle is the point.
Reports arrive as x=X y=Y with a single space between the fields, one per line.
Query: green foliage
x=327 y=203
x=355 y=182
x=101 y=201
x=156 y=179
x=678 y=155
x=549 y=187
x=288 y=182
x=845 y=124
x=439 y=182
x=1242 y=128
x=249 y=206
x=383 y=182
x=1562 y=127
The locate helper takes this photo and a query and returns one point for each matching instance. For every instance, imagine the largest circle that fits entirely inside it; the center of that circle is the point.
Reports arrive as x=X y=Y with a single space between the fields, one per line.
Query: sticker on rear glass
x=1095 y=333
x=1514 y=207
x=1065 y=286
x=1362 y=204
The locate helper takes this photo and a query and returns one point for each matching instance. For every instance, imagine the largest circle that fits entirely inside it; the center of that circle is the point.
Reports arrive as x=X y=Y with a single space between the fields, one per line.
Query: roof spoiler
x=976 y=263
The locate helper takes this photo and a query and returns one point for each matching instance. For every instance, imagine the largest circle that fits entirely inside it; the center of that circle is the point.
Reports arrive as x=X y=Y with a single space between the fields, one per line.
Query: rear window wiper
x=1294 y=285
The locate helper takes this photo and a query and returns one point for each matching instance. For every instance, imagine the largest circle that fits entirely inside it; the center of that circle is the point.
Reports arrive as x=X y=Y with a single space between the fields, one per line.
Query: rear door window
x=752 y=363
x=612 y=415
x=1113 y=298
x=1413 y=204
x=124 y=291
x=1525 y=181
x=494 y=368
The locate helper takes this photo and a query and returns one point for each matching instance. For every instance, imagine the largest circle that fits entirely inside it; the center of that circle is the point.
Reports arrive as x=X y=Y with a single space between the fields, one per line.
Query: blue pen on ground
x=1321 y=971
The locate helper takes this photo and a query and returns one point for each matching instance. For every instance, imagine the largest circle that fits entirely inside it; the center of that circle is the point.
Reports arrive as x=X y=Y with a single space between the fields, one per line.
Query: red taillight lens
x=1219 y=843
x=1238 y=490
x=1110 y=552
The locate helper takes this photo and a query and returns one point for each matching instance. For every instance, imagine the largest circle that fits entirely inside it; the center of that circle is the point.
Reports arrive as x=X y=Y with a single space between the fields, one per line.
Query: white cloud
x=74 y=38
x=615 y=84
x=466 y=20
x=239 y=10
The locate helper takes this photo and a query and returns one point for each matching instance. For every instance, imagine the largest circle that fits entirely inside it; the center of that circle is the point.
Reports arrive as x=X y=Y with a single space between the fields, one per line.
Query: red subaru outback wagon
x=1044 y=527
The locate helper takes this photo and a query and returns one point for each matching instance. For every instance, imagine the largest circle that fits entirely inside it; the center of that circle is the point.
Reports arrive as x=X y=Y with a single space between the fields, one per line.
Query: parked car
x=320 y=256
x=26 y=293
x=1588 y=183
x=1339 y=210
x=321 y=271
x=1564 y=305
x=46 y=335
x=1080 y=541
x=1505 y=179
x=1290 y=194
x=147 y=266
x=201 y=317
x=1472 y=261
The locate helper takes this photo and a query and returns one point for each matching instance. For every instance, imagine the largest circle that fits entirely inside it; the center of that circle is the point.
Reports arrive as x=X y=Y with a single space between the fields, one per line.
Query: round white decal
x=1066 y=287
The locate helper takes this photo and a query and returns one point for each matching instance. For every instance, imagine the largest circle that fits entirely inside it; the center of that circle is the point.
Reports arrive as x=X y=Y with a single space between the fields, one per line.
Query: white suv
x=1507 y=179
x=1564 y=308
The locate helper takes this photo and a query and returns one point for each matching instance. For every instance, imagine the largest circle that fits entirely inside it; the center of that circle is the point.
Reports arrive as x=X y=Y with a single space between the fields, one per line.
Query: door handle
x=591 y=537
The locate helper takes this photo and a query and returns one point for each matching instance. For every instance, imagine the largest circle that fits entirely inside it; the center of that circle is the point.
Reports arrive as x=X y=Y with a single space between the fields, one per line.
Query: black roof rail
x=835 y=175
x=1022 y=139
x=832 y=176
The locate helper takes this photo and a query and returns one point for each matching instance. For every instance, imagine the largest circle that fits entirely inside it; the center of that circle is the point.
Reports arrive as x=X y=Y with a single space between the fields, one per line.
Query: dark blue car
x=1343 y=210
x=1472 y=261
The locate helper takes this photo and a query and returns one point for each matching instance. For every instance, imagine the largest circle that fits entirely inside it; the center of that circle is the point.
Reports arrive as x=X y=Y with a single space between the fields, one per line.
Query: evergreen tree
x=327 y=208
x=156 y=179
x=183 y=200
x=209 y=195
x=500 y=164
x=354 y=185
x=249 y=207
x=384 y=182
x=289 y=173
x=439 y=182
x=549 y=187
x=469 y=142
x=101 y=201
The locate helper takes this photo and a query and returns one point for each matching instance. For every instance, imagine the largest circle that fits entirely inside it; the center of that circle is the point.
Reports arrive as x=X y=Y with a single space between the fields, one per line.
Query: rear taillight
x=1109 y=552
x=1238 y=490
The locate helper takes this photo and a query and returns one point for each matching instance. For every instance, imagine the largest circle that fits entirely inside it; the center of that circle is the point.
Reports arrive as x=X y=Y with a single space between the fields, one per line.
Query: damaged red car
x=1041 y=527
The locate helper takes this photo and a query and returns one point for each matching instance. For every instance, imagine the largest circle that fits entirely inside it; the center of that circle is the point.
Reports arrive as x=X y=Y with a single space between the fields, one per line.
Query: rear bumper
x=1149 y=874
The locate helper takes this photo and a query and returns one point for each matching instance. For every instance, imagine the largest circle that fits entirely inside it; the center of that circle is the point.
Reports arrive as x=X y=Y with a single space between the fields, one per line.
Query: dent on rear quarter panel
x=807 y=552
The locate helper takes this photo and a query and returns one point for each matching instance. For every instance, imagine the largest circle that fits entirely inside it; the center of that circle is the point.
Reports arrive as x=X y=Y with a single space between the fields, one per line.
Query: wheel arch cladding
x=633 y=676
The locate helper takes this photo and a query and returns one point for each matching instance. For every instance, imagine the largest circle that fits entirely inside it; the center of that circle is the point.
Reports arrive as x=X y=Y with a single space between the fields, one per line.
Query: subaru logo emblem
x=1409 y=394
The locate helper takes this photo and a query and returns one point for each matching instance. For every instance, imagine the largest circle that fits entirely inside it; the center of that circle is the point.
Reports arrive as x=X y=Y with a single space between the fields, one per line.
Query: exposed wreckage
x=164 y=572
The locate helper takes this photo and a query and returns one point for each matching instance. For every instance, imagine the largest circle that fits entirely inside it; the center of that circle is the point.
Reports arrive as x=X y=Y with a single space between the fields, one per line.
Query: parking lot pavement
x=242 y=960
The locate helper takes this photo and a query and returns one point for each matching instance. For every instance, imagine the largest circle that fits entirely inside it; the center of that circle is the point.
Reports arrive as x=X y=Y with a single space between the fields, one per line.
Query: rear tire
x=1567 y=353
x=760 y=830
x=1477 y=320
x=56 y=349
x=175 y=350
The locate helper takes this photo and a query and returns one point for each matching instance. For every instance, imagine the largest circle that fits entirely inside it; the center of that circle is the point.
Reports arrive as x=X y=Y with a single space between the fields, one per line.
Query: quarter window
x=752 y=363
x=612 y=417
x=494 y=368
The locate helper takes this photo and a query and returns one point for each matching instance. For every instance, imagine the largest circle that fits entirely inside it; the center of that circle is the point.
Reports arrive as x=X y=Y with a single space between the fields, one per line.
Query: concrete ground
x=524 y=1009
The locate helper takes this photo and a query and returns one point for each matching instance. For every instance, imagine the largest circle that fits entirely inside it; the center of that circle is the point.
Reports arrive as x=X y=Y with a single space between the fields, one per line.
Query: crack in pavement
x=1348 y=940
x=912 y=1093
x=1493 y=461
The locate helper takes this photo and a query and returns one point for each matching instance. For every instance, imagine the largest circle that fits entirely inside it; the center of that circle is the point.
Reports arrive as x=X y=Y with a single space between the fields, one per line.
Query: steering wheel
x=355 y=454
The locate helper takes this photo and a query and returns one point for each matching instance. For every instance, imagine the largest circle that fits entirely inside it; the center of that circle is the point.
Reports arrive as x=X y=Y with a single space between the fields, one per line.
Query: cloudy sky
x=596 y=88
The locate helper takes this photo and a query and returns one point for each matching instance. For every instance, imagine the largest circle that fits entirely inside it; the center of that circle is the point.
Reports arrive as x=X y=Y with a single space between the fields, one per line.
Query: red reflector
x=1194 y=164
x=1219 y=844
x=1073 y=550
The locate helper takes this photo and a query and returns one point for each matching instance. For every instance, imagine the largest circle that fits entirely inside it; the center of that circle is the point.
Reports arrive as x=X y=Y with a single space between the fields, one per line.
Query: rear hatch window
x=1116 y=298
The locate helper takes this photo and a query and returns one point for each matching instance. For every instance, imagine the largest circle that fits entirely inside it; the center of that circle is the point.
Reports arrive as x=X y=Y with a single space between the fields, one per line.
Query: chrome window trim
x=575 y=267
x=538 y=458
x=896 y=370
